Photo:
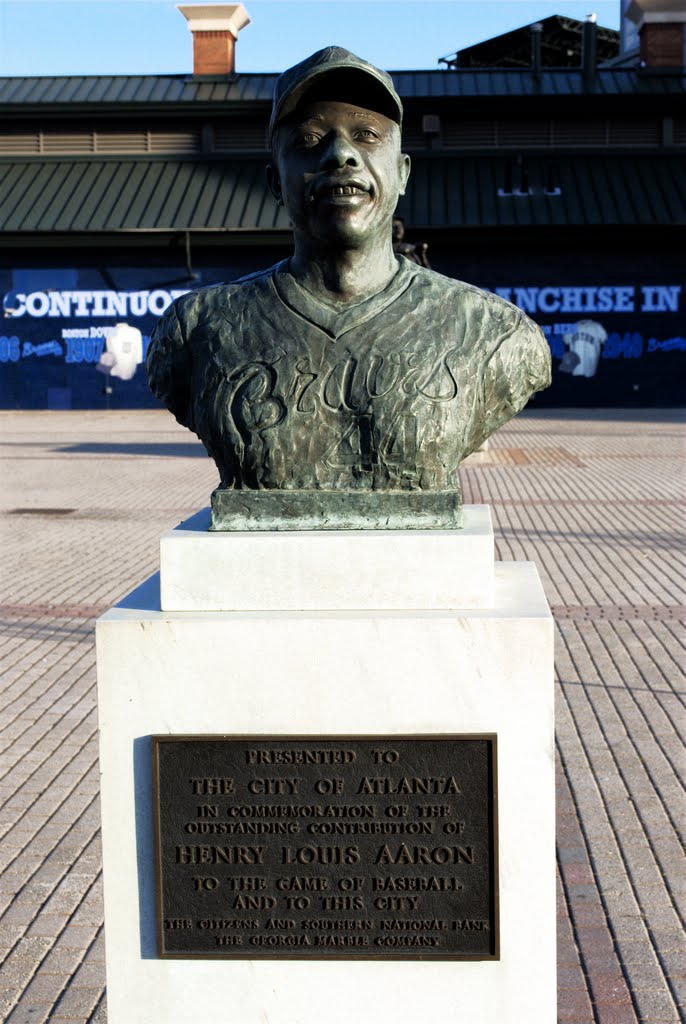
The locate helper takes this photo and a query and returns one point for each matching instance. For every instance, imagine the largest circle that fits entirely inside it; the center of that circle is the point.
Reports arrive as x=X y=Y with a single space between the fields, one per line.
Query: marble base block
x=351 y=569
x=332 y=672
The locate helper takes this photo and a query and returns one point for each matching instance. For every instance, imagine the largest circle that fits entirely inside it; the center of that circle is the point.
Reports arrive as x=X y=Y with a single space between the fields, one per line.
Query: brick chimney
x=662 y=31
x=589 y=51
x=215 y=28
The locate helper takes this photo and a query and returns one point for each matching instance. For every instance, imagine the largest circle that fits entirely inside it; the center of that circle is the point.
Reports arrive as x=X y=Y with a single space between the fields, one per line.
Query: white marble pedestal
x=350 y=671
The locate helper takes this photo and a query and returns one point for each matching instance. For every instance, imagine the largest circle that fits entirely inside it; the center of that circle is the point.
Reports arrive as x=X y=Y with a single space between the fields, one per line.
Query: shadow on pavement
x=672 y=415
x=189 y=450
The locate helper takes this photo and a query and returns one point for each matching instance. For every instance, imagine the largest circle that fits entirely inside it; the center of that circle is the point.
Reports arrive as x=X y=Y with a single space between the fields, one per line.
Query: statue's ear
x=274 y=183
x=404 y=165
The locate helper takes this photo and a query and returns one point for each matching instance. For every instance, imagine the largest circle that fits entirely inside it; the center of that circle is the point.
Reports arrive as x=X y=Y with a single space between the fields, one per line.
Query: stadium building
x=548 y=165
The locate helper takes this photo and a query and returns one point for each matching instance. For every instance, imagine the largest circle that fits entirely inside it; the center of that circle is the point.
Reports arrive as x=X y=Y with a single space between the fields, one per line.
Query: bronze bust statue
x=342 y=387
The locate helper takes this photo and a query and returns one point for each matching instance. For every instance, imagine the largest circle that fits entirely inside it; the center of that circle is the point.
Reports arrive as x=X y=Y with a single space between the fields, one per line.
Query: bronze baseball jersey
x=391 y=393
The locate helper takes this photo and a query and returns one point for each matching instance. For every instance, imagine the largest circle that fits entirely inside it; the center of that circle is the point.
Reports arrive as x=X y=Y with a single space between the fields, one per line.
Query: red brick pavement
x=597 y=500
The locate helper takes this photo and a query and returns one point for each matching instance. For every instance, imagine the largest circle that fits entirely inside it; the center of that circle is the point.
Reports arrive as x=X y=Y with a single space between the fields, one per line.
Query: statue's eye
x=366 y=134
x=308 y=139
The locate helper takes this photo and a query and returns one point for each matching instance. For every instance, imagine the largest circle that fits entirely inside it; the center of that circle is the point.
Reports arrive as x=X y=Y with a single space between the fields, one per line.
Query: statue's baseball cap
x=345 y=76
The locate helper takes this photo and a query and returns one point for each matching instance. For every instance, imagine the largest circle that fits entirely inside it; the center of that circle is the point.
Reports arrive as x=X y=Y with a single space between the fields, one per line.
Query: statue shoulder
x=468 y=298
x=202 y=304
x=504 y=351
x=494 y=332
x=177 y=353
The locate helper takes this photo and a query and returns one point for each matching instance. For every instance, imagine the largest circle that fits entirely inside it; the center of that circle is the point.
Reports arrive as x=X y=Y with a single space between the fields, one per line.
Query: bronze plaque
x=326 y=847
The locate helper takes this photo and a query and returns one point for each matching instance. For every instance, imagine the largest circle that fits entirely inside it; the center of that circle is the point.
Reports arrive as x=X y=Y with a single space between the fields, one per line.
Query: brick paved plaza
x=596 y=499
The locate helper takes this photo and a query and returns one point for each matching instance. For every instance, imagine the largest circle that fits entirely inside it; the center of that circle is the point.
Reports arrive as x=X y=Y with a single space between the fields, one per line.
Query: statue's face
x=338 y=170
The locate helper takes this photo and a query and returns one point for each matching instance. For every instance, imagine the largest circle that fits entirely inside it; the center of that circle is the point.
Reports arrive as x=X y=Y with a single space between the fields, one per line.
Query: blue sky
x=63 y=37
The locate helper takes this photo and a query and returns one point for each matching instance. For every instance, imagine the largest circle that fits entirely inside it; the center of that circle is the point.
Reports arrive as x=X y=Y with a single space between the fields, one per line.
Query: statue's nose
x=339 y=152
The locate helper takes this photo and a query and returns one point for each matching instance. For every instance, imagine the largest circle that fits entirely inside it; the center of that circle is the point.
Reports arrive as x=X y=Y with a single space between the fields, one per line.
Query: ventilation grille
x=247 y=136
x=523 y=133
x=233 y=138
x=546 y=134
x=121 y=142
x=634 y=133
x=470 y=134
x=76 y=142
x=173 y=142
x=25 y=143
x=580 y=133
x=37 y=142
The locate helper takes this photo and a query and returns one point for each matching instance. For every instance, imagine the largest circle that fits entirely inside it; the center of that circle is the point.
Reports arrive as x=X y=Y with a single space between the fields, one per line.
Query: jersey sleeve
x=169 y=367
x=516 y=363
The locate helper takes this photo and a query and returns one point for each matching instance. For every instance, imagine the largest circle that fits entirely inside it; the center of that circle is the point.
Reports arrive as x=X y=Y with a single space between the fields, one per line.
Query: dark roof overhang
x=89 y=194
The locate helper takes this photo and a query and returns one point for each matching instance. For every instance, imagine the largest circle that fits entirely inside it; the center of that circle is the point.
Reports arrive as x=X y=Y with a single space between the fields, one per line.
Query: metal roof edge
x=141 y=91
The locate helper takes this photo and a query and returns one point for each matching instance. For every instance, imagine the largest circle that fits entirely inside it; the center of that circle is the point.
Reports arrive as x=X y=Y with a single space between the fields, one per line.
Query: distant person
x=416 y=253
